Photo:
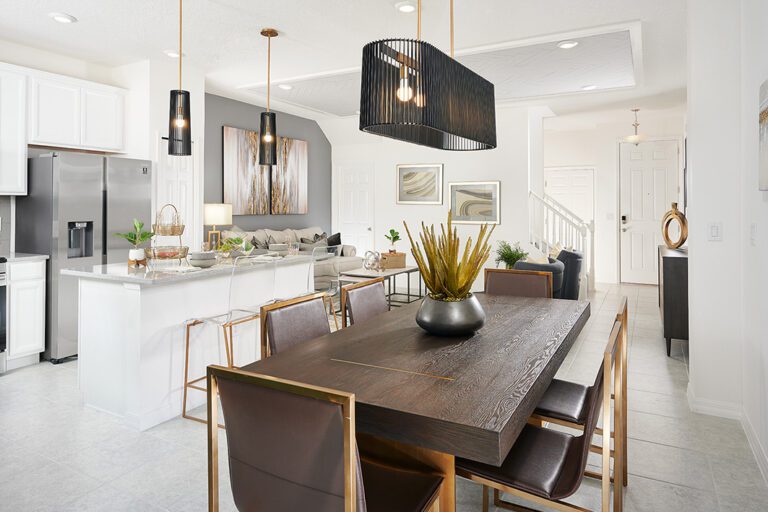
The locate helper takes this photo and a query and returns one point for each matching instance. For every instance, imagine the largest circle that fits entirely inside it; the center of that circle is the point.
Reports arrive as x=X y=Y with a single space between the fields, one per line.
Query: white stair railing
x=554 y=225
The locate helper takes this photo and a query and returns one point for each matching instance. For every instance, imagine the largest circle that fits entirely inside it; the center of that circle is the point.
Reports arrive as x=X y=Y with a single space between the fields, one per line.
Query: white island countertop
x=172 y=272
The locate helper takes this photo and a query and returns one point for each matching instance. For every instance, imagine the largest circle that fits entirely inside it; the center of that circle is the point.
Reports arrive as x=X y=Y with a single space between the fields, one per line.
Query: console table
x=673 y=293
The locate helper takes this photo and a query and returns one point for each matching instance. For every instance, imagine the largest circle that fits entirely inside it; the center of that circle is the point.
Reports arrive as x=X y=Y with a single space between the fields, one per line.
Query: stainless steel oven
x=3 y=319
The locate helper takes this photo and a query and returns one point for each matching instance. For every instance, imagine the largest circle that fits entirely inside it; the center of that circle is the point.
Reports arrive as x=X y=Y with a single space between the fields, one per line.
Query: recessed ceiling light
x=589 y=88
x=173 y=54
x=357 y=112
x=406 y=7
x=62 y=17
x=285 y=87
x=567 y=45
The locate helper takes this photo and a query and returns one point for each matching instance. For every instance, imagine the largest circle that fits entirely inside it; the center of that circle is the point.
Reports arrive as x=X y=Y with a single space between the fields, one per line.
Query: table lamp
x=216 y=214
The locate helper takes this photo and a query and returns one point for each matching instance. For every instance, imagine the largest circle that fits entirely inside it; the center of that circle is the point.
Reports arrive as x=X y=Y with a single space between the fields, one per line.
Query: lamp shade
x=217 y=214
x=413 y=92
x=179 y=125
x=268 y=139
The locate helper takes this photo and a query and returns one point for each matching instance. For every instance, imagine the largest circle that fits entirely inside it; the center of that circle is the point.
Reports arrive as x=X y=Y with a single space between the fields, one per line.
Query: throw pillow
x=317 y=238
x=309 y=247
x=334 y=239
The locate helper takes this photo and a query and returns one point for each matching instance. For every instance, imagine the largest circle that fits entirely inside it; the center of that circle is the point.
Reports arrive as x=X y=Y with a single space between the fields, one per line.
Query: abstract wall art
x=475 y=202
x=420 y=184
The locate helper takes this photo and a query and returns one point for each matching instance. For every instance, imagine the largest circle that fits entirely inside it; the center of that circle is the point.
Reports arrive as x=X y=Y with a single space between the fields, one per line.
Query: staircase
x=553 y=225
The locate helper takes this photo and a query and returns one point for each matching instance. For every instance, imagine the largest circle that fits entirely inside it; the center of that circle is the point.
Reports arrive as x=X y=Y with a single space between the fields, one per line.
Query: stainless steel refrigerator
x=75 y=205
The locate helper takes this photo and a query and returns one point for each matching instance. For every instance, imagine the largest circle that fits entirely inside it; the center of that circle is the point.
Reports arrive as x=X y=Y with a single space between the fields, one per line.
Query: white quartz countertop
x=173 y=272
x=21 y=256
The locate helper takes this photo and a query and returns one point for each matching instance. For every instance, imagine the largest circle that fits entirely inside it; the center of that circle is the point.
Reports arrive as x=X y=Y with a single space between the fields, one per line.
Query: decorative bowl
x=202 y=263
x=202 y=255
x=167 y=252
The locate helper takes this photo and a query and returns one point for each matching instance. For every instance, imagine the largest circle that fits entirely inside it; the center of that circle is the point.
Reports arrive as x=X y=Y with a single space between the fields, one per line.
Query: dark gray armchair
x=572 y=260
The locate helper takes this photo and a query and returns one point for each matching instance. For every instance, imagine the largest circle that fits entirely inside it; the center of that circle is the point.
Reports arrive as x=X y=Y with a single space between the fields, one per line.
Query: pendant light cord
x=180 y=54
x=418 y=23
x=269 y=68
x=451 y=28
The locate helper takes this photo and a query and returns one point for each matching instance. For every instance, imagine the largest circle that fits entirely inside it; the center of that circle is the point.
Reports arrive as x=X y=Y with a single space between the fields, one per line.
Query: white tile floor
x=56 y=455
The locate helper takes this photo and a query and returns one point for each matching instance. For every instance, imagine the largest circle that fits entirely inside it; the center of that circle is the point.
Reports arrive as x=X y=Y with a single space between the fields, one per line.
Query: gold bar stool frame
x=227 y=322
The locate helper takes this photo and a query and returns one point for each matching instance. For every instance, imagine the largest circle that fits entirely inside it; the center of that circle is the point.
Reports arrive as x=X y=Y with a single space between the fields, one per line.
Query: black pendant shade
x=179 y=125
x=268 y=139
x=413 y=92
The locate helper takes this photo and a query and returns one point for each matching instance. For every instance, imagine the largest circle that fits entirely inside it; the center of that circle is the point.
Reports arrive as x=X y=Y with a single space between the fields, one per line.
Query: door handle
x=369 y=228
x=624 y=229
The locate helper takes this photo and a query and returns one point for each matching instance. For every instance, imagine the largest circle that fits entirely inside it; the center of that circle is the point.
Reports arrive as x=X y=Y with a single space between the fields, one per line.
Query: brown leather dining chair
x=303 y=454
x=546 y=466
x=291 y=322
x=520 y=283
x=362 y=301
x=565 y=403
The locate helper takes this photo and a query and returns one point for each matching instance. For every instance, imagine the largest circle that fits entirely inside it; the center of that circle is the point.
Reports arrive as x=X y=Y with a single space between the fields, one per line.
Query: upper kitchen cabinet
x=75 y=114
x=13 y=129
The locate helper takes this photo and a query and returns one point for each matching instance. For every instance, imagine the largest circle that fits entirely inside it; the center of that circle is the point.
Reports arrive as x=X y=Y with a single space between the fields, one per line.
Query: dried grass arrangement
x=448 y=277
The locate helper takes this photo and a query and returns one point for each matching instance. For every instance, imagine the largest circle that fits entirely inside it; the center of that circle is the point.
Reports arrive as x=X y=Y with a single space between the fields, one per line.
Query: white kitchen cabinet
x=26 y=309
x=102 y=119
x=72 y=113
x=13 y=130
x=54 y=113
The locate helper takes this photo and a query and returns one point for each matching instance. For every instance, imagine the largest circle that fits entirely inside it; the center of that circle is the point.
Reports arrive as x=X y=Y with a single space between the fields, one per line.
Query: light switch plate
x=715 y=232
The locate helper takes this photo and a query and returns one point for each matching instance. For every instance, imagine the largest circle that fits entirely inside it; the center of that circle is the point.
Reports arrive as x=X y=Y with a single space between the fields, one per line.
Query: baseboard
x=713 y=407
x=758 y=450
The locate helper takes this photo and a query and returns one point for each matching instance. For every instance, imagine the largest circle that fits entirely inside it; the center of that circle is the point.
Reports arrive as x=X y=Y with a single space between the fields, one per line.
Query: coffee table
x=390 y=276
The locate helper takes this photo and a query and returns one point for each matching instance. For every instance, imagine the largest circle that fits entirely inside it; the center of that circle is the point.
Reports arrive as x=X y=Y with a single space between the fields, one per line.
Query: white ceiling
x=321 y=37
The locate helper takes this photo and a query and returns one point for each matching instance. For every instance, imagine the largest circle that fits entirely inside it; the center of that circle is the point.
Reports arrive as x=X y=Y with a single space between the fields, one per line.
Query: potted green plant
x=450 y=308
x=509 y=254
x=393 y=237
x=136 y=237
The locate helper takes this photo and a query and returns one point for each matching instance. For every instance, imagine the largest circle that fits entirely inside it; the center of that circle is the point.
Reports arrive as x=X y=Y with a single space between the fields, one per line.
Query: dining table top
x=469 y=396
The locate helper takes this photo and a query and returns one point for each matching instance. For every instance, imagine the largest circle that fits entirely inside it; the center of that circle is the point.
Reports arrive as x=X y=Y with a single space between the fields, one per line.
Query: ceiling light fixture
x=413 y=92
x=180 y=122
x=567 y=45
x=285 y=87
x=62 y=17
x=589 y=88
x=268 y=131
x=636 y=138
x=173 y=54
x=406 y=7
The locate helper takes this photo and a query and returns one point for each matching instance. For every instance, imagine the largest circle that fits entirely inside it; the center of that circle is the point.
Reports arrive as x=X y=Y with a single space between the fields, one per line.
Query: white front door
x=356 y=202
x=649 y=177
x=573 y=188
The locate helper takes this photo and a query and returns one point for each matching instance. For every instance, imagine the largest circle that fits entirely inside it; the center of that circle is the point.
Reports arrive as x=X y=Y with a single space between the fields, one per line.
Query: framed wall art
x=475 y=202
x=420 y=184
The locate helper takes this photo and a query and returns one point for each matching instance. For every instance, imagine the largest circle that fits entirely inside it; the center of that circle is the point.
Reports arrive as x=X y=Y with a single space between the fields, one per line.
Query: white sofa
x=326 y=270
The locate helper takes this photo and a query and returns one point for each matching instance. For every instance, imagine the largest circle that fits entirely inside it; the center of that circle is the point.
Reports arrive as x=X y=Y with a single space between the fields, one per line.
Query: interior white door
x=649 y=176
x=177 y=182
x=573 y=188
x=356 y=203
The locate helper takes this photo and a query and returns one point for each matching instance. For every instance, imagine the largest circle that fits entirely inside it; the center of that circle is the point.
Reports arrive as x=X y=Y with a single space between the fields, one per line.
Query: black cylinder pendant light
x=179 y=122
x=268 y=128
x=413 y=92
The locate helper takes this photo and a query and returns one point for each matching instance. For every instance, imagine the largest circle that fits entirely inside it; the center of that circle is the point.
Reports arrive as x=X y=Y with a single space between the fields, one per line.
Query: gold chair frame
x=346 y=400
x=266 y=310
x=538 y=419
x=548 y=275
x=613 y=368
x=345 y=295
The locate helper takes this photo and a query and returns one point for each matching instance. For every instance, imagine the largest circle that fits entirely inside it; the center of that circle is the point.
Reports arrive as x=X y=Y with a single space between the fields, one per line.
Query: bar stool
x=333 y=288
x=227 y=321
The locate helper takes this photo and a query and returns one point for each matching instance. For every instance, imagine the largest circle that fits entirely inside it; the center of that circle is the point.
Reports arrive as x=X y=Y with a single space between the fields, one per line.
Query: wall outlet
x=715 y=232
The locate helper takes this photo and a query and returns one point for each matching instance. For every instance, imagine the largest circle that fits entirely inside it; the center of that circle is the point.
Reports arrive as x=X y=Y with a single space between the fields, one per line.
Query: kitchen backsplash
x=5 y=225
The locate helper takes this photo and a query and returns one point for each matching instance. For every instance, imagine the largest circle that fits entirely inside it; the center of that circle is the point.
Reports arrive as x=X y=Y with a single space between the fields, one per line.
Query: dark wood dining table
x=437 y=398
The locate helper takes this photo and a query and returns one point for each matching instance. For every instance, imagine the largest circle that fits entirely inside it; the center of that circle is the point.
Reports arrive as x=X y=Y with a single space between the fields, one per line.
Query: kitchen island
x=132 y=329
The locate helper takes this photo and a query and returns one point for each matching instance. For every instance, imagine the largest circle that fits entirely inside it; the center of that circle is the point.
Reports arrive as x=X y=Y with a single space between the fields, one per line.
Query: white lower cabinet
x=26 y=308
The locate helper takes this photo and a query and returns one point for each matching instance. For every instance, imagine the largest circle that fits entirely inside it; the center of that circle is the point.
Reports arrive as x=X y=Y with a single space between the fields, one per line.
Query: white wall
x=728 y=279
x=592 y=140
x=29 y=57
x=507 y=163
x=754 y=70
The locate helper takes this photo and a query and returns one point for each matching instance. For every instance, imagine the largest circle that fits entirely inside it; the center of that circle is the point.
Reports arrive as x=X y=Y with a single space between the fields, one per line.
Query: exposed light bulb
x=404 y=92
x=267 y=137
x=179 y=122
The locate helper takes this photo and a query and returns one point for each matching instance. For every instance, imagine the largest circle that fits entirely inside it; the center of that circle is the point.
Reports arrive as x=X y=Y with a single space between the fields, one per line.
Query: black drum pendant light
x=268 y=130
x=413 y=92
x=180 y=122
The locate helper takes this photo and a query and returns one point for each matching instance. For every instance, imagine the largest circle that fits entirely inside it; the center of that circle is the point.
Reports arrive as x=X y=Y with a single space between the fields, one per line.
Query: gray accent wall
x=220 y=112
